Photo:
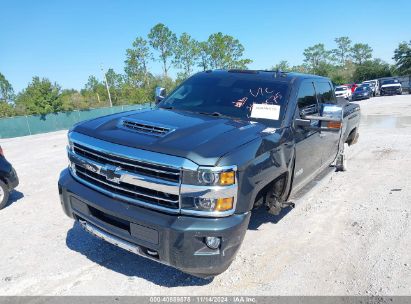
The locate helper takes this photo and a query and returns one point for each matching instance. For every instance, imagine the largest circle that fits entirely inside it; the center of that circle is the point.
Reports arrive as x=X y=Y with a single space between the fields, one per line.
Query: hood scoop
x=145 y=127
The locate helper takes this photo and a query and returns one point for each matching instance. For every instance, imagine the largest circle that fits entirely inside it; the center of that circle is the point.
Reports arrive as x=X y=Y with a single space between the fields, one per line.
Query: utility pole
x=107 y=87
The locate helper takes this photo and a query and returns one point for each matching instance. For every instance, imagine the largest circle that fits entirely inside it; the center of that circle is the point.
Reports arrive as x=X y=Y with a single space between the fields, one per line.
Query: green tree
x=372 y=69
x=134 y=95
x=283 y=65
x=342 y=75
x=186 y=55
x=136 y=63
x=163 y=40
x=115 y=82
x=6 y=110
x=361 y=52
x=302 y=68
x=6 y=90
x=323 y=69
x=402 y=57
x=95 y=92
x=73 y=100
x=40 y=97
x=316 y=55
x=225 y=52
x=204 y=56
x=343 y=50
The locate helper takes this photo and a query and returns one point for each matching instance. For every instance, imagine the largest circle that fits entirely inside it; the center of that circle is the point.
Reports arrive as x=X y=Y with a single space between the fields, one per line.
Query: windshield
x=229 y=95
x=390 y=81
x=360 y=89
x=369 y=83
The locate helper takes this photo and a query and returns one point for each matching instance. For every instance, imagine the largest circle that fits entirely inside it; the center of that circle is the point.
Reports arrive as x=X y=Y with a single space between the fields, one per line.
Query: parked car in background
x=343 y=91
x=374 y=86
x=362 y=92
x=390 y=87
x=8 y=179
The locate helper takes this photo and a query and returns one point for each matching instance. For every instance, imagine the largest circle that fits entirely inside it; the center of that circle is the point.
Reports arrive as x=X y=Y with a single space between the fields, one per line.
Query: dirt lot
x=349 y=234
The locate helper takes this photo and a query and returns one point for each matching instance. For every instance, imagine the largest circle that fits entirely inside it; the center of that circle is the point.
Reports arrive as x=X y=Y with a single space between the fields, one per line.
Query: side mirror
x=160 y=94
x=330 y=119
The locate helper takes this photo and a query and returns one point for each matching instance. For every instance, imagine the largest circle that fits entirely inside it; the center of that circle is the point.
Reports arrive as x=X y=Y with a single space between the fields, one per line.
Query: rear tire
x=4 y=194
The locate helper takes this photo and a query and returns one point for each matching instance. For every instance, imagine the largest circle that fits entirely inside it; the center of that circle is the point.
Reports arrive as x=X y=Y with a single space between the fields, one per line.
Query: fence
x=36 y=124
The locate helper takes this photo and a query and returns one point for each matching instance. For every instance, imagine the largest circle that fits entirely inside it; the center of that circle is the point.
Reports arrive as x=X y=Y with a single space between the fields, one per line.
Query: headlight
x=209 y=191
x=207 y=205
x=210 y=177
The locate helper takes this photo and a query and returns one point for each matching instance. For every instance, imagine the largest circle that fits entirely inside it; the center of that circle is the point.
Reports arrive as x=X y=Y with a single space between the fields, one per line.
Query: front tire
x=4 y=194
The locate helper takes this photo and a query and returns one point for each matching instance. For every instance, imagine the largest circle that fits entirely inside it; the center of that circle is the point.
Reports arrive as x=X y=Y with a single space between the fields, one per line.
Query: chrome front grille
x=129 y=165
x=140 y=182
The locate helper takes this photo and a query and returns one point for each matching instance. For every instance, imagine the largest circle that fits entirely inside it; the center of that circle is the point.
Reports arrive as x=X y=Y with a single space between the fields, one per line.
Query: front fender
x=259 y=163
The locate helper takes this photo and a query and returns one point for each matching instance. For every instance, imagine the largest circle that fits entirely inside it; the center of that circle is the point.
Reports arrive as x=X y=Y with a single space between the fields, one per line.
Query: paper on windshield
x=265 y=111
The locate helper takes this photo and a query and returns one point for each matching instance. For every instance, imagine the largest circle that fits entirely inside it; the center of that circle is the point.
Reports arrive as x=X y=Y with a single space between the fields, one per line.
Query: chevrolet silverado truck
x=177 y=183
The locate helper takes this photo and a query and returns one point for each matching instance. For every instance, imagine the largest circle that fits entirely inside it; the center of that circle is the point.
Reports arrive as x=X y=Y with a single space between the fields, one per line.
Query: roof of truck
x=264 y=74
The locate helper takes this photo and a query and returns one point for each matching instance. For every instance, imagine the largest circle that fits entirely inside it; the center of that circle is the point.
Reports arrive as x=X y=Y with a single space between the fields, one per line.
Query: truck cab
x=177 y=183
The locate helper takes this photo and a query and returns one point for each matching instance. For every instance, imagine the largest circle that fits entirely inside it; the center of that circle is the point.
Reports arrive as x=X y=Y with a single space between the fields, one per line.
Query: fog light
x=205 y=203
x=212 y=242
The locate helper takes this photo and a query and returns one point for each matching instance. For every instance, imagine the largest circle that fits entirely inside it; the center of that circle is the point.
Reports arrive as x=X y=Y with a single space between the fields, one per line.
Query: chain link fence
x=36 y=124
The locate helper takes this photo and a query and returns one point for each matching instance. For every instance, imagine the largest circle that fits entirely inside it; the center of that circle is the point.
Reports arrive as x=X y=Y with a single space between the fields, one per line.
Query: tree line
x=346 y=63
x=137 y=83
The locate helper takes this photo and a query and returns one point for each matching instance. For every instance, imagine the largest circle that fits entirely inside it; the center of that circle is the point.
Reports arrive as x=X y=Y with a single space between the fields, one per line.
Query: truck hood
x=202 y=139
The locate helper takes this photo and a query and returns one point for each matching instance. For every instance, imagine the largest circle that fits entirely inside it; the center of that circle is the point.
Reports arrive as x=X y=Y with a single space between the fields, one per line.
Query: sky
x=68 y=40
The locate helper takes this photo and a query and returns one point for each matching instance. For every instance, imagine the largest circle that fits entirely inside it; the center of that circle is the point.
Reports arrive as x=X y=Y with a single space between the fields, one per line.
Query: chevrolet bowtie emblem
x=112 y=173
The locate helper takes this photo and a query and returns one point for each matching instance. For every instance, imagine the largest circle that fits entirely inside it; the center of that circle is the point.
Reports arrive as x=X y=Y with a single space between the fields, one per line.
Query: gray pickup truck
x=177 y=183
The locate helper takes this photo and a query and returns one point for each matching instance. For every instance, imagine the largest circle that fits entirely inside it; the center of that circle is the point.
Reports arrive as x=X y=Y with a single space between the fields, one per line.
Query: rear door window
x=325 y=92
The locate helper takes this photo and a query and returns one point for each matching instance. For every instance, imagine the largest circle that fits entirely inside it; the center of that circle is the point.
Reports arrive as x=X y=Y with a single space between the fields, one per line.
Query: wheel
x=341 y=162
x=4 y=194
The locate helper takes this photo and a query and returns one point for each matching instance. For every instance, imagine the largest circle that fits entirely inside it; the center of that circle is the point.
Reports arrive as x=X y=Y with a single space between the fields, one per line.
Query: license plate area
x=109 y=238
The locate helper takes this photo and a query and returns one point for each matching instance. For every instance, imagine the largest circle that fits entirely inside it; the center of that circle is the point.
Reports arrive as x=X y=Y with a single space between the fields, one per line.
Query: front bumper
x=360 y=97
x=174 y=240
x=390 y=91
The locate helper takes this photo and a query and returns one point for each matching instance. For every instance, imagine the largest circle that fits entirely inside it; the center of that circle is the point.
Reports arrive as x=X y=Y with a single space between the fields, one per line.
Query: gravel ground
x=349 y=234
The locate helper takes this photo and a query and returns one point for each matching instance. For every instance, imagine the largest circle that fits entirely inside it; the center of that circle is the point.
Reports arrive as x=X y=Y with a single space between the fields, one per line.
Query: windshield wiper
x=217 y=114
x=167 y=107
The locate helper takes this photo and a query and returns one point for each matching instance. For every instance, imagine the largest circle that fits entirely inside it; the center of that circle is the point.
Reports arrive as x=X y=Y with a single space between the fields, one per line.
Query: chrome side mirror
x=160 y=94
x=330 y=119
